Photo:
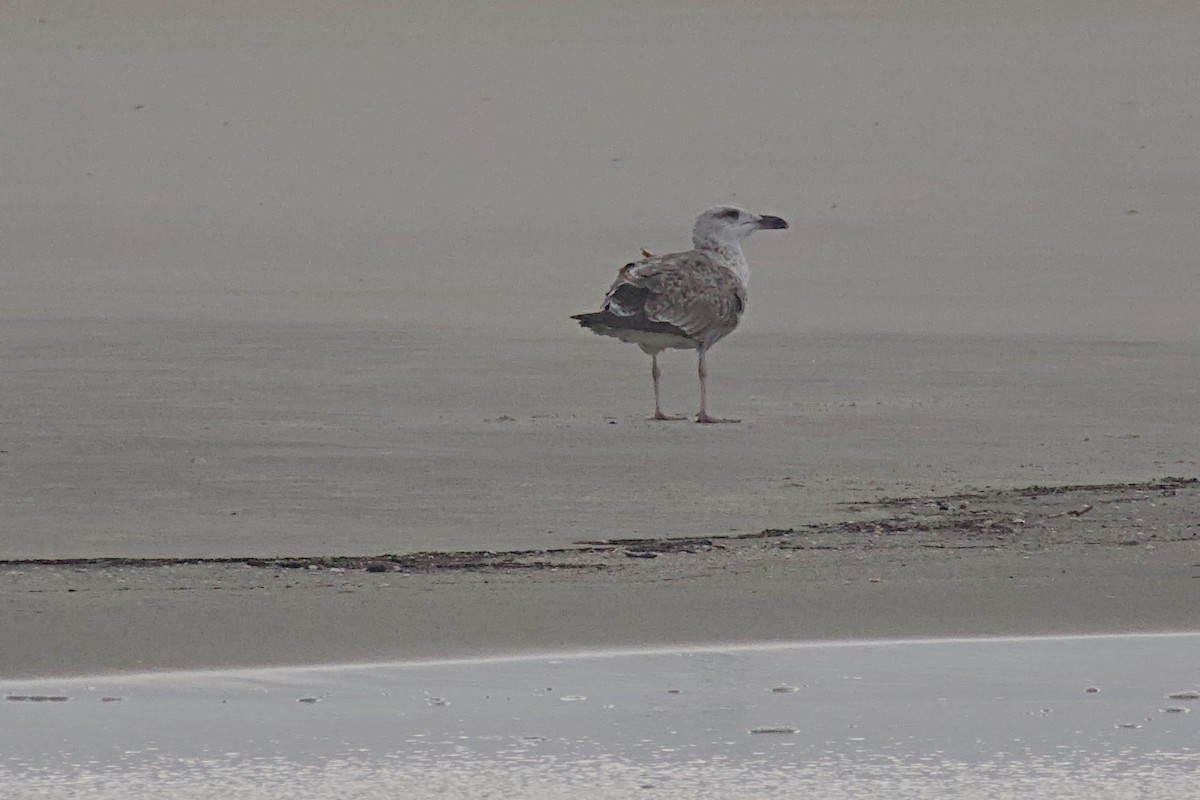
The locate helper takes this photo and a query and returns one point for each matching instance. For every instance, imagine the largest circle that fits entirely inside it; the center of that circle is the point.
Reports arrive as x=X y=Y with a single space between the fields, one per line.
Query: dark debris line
x=974 y=522
x=412 y=562
x=1169 y=484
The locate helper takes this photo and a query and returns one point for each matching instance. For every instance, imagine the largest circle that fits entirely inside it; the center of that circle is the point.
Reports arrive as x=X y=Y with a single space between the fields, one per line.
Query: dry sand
x=284 y=281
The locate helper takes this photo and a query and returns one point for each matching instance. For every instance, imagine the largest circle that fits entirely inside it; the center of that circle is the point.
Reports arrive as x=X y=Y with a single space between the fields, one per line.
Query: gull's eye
x=729 y=213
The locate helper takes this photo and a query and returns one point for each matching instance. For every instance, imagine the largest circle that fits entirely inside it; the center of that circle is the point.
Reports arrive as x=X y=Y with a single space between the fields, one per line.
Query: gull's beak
x=771 y=223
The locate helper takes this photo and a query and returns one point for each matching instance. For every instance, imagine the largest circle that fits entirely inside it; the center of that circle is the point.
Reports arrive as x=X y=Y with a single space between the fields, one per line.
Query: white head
x=726 y=225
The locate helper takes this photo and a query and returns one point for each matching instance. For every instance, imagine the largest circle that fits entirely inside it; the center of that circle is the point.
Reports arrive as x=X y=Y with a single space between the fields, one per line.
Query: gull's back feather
x=689 y=296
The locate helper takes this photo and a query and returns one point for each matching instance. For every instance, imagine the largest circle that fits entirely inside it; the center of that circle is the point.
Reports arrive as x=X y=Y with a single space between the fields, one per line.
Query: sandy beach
x=1090 y=559
x=285 y=295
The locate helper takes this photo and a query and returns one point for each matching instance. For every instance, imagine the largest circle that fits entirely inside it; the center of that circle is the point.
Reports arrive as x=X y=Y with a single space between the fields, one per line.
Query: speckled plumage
x=699 y=297
x=688 y=300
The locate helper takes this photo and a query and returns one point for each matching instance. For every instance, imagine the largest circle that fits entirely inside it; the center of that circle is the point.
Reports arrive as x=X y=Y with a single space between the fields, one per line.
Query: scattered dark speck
x=138 y=107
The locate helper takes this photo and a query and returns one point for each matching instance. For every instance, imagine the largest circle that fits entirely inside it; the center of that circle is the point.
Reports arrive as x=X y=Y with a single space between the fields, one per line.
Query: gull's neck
x=730 y=255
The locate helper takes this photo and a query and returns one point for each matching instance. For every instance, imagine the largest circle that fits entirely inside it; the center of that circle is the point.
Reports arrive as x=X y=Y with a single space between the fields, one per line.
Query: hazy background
x=273 y=276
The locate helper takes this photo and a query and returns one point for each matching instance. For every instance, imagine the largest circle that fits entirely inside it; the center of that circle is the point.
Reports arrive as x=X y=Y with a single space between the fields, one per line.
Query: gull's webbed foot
x=705 y=418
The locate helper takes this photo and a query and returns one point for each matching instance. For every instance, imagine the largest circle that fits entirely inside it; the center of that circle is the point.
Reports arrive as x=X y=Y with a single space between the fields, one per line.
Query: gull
x=686 y=301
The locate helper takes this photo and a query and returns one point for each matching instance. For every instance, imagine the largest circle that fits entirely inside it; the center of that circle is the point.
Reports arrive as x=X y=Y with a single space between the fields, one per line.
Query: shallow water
x=962 y=718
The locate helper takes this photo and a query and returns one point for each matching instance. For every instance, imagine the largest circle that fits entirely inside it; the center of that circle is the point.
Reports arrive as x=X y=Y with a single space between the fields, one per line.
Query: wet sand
x=1090 y=559
x=284 y=283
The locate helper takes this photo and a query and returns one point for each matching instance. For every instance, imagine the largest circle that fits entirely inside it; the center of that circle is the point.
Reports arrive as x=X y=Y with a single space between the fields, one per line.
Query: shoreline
x=1092 y=559
x=737 y=648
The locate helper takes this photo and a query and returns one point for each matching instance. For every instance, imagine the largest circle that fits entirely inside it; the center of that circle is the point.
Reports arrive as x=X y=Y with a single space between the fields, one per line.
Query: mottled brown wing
x=688 y=291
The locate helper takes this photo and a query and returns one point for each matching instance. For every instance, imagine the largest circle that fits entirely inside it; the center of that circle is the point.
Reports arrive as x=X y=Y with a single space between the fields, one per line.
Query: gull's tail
x=592 y=319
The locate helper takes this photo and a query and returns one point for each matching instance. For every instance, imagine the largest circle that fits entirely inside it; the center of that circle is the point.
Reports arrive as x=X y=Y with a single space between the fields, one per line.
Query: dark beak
x=771 y=224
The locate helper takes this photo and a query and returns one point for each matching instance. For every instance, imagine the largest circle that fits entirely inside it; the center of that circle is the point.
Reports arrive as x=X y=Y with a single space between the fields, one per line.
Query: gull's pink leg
x=656 y=373
x=703 y=415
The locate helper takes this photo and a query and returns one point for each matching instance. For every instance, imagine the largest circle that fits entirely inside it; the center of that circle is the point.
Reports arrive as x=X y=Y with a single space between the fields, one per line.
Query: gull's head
x=729 y=225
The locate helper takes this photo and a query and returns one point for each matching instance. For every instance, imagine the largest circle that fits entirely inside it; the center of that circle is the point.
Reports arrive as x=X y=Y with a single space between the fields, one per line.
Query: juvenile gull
x=687 y=301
